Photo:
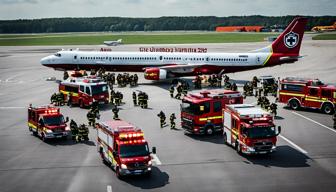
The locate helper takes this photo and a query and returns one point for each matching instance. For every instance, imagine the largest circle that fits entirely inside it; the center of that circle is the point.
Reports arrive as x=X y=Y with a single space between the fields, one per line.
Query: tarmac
x=305 y=159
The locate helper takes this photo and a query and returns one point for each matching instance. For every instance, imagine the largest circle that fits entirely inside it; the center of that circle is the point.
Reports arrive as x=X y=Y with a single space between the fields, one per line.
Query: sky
x=29 y=9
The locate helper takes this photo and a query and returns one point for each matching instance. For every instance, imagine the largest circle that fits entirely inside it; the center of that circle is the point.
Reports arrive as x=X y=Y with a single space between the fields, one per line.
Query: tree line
x=115 y=24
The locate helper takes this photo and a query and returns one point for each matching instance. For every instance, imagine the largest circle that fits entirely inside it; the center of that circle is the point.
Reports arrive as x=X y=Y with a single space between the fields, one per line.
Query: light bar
x=131 y=135
x=137 y=141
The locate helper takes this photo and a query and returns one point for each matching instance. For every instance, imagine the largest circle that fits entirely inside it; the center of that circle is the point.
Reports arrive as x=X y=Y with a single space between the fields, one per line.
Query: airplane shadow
x=63 y=142
x=285 y=156
x=157 y=179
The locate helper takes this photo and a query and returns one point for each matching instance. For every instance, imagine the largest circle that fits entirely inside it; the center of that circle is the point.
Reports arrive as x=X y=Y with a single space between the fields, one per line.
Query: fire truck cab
x=201 y=113
x=249 y=129
x=47 y=122
x=123 y=147
x=84 y=91
x=307 y=93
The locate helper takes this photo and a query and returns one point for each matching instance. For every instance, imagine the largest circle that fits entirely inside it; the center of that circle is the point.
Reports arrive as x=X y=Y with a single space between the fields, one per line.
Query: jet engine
x=155 y=74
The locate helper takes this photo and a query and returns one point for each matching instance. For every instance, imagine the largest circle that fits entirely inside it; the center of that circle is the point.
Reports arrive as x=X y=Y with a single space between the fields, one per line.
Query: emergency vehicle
x=84 y=90
x=249 y=129
x=266 y=82
x=201 y=113
x=122 y=146
x=47 y=122
x=307 y=93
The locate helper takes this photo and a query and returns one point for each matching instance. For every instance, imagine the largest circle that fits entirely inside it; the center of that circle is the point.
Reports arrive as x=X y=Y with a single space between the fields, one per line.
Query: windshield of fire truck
x=134 y=150
x=53 y=120
x=195 y=108
x=260 y=132
x=98 y=89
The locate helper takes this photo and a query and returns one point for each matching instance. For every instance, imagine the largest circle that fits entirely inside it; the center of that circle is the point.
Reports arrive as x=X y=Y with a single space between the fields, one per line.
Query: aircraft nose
x=44 y=61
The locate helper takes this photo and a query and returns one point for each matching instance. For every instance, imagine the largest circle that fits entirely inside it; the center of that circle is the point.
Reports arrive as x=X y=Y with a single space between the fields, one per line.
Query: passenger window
x=81 y=88
x=217 y=106
x=75 y=57
x=313 y=91
x=87 y=90
x=326 y=93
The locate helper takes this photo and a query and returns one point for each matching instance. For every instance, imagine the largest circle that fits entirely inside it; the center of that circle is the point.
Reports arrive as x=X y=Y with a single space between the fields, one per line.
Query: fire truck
x=47 y=122
x=122 y=146
x=84 y=91
x=201 y=112
x=249 y=129
x=307 y=93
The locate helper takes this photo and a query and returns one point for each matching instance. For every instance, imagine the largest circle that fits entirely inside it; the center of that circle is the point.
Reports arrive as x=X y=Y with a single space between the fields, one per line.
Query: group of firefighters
x=181 y=88
x=162 y=117
x=141 y=99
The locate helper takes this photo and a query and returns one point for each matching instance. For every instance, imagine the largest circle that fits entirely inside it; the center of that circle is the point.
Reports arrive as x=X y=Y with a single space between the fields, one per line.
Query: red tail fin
x=289 y=41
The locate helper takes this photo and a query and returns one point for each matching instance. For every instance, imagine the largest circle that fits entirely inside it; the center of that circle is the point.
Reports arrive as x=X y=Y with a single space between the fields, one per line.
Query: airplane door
x=258 y=60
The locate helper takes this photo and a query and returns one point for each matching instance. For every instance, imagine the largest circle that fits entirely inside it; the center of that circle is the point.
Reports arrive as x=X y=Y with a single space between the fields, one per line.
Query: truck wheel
x=294 y=104
x=43 y=137
x=209 y=130
x=327 y=108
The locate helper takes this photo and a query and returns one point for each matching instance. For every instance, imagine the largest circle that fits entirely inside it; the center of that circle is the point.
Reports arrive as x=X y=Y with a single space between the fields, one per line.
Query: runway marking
x=293 y=144
x=109 y=188
x=298 y=114
x=156 y=159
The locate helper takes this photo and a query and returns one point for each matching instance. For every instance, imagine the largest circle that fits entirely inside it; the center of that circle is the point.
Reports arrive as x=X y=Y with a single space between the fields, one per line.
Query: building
x=239 y=29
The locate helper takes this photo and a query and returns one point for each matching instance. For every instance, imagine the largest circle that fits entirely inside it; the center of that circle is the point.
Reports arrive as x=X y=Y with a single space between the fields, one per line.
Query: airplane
x=113 y=43
x=167 y=65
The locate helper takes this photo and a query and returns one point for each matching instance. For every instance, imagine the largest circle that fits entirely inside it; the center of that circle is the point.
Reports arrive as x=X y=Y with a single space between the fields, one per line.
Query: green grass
x=132 y=38
x=325 y=37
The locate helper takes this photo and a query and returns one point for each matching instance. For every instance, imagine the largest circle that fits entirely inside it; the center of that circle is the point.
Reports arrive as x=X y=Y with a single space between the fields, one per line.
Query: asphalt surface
x=305 y=160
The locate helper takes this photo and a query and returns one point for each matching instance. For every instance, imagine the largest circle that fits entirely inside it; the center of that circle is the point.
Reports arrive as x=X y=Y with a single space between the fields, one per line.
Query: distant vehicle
x=307 y=93
x=47 y=122
x=324 y=28
x=265 y=81
x=123 y=147
x=84 y=90
x=113 y=43
x=249 y=129
x=163 y=65
x=201 y=113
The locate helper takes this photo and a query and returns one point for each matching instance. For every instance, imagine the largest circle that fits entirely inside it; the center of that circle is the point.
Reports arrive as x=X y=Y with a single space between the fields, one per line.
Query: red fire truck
x=84 y=90
x=123 y=147
x=249 y=129
x=307 y=93
x=201 y=113
x=47 y=122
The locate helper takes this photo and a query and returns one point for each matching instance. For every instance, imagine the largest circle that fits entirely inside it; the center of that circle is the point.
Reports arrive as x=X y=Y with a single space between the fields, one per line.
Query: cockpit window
x=58 y=55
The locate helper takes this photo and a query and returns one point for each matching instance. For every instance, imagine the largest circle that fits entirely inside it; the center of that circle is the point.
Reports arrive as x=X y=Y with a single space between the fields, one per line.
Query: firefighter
x=145 y=101
x=59 y=99
x=91 y=118
x=134 y=96
x=69 y=103
x=234 y=87
x=184 y=88
x=259 y=101
x=172 y=121
x=136 y=78
x=171 y=91
x=140 y=98
x=112 y=95
x=65 y=75
x=273 y=107
x=95 y=108
x=162 y=117
x=74 y=130
x=117 y=98
x=83 y=133
x=115 y=111
x=179 y=91
x=53 y=98
x=334 y=119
